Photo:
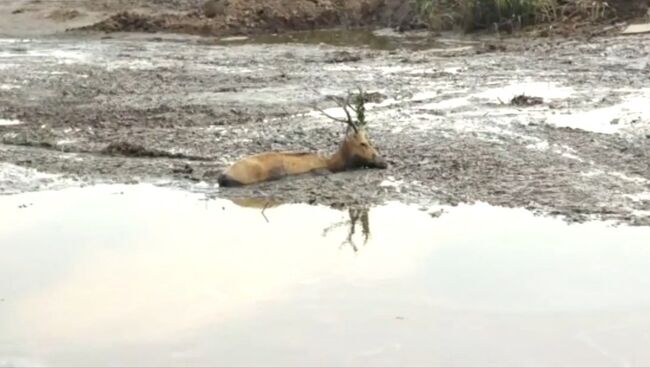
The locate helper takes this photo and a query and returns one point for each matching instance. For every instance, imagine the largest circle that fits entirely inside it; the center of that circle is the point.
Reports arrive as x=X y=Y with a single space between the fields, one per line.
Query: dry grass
x=472 y=15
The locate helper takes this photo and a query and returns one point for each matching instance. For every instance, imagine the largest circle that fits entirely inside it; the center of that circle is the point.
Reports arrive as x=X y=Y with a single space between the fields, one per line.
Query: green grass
x=471 y=15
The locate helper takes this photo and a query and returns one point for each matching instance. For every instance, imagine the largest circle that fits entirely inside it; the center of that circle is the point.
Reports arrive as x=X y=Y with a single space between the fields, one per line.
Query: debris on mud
x=524 y=100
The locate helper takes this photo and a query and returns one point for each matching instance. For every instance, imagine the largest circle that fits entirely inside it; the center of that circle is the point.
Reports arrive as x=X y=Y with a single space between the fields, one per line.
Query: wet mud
x=175 y=111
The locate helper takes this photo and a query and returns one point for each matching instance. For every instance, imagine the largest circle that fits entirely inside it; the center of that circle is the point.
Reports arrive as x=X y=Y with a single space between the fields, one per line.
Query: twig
x=266 y=205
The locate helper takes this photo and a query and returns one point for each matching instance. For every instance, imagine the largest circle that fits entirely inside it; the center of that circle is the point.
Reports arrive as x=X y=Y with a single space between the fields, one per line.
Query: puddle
x=70 y=56
x=497 y=95
x=610 y=119
x=140 y=275
x=9 y=122
x=137 y=64
x=233 y=38
x=372 y=39
x=7 y=87
x=645 y=196
x=546 y=90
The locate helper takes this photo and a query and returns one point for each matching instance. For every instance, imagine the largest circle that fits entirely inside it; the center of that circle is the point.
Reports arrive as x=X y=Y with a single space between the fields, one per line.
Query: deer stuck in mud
x=354 y=152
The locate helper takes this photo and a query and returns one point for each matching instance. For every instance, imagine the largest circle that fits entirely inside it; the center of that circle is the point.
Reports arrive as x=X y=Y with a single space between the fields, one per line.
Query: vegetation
x=506 y=14
x=360 y=108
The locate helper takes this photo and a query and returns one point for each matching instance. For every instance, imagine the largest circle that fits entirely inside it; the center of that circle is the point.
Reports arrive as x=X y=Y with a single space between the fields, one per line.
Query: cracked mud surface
x=181 y=110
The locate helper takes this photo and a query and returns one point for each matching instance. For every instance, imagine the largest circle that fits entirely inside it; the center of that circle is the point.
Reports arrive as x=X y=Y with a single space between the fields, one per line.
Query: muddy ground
x=177 y=110
x=223 y=17
x=246 y=17
x=82 y=108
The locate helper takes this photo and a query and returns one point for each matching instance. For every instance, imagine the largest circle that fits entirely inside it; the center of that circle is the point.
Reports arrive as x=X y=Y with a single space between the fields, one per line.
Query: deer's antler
x=345 y=104
x=351 y=122
x=357 y=107
x=360 y=108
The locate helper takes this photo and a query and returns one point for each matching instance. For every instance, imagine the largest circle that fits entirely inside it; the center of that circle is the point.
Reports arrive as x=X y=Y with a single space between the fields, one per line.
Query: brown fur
x=355 y=152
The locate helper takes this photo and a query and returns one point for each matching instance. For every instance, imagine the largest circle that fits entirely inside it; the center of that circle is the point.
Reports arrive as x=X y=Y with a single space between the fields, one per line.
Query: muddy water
x=141 y=275
x=382 y=39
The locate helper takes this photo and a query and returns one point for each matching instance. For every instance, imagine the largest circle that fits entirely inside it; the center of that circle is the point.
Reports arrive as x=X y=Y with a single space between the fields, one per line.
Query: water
x=8 y=122
x=141 y=275
x=631 y=114
x=381 y=39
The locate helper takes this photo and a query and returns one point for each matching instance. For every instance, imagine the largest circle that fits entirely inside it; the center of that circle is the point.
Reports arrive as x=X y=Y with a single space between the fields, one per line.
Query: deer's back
x=270 y=166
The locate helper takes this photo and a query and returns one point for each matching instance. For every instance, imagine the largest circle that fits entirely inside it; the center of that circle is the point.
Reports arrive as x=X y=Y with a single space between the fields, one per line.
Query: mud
x=181 y=110
x=245 y=17
x=228 y=17
x=136 y=150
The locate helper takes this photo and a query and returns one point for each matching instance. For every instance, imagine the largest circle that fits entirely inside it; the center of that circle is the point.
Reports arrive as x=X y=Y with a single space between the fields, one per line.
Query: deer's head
x=358 y=152
x=356 y=149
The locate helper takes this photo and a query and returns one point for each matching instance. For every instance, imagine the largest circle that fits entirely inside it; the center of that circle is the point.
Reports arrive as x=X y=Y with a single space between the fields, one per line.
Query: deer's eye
x=364 y=144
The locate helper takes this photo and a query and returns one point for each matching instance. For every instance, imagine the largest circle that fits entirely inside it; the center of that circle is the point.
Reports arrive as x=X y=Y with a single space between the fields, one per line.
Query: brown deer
x=355 y=152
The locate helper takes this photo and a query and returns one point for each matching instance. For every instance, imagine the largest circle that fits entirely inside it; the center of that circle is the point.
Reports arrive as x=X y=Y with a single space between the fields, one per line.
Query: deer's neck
x=336 y=162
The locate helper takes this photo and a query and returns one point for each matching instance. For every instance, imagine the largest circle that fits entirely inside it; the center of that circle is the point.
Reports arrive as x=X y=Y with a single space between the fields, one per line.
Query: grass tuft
x=473 y=15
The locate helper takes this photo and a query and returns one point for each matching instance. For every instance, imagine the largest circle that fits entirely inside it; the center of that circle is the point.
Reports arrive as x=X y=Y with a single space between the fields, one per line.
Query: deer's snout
x=380 y=163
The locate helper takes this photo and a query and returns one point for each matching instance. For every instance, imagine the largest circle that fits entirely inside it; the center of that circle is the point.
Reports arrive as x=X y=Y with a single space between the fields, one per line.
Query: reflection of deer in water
x=256 y=202
x=355 y=152
x=356 y=215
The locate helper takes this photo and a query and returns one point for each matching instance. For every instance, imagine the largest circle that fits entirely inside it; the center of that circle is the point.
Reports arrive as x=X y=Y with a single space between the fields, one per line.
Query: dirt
x=246 y=17
x=228 y=17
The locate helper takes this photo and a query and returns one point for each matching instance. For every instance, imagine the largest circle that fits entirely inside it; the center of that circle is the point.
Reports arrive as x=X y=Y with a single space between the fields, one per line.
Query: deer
x=354 y=152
